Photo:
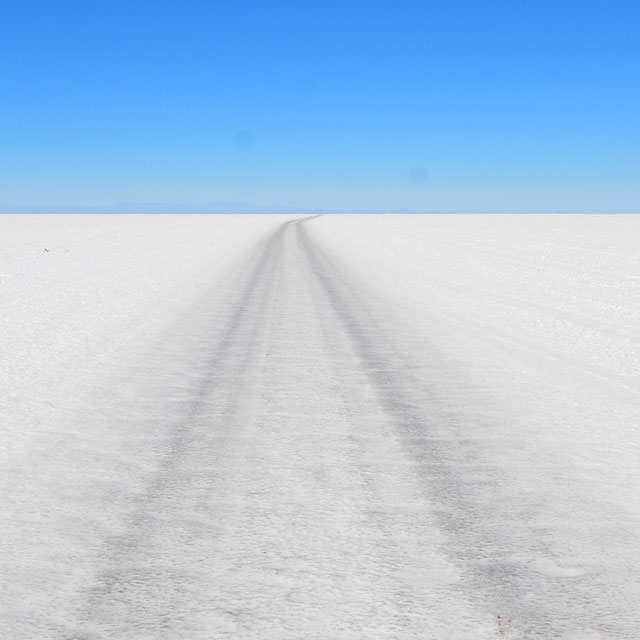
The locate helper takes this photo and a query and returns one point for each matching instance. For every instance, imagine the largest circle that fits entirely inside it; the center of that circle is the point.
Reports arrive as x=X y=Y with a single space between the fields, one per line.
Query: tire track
x=489 y=527
x=226 y=364
x=269 y=515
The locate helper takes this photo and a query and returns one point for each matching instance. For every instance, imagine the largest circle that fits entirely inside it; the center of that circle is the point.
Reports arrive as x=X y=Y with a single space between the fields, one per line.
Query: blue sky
x=427 y=106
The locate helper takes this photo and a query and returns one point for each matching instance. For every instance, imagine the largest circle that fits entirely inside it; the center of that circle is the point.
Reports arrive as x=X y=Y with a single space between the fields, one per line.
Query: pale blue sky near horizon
x=381 y=106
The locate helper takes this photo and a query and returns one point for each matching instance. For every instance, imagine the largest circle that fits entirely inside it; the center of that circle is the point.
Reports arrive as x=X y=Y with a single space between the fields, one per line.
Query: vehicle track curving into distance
x=309 y=485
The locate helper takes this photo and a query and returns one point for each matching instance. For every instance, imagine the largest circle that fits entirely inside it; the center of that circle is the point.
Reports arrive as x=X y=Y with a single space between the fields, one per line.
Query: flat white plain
x=337 y=427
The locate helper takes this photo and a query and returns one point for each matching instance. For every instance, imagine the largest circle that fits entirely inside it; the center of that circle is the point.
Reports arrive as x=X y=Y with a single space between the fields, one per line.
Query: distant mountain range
x=159 y=207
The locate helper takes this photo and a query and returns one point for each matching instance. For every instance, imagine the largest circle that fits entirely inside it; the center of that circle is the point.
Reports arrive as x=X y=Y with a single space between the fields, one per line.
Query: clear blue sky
x=452 y=106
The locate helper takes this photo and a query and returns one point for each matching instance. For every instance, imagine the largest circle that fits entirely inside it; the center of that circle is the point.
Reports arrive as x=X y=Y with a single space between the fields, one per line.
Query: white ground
x=347 y=427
